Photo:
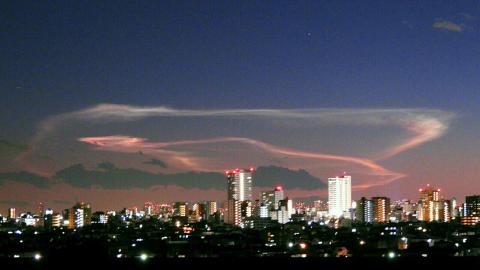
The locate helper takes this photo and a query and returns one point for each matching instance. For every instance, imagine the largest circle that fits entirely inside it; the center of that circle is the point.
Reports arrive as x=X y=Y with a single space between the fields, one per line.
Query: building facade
x=339 y=196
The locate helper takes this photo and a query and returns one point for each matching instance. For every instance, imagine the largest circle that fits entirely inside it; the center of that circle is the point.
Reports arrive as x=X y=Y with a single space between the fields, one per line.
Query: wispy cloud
x=448 y=25
x=420 y=125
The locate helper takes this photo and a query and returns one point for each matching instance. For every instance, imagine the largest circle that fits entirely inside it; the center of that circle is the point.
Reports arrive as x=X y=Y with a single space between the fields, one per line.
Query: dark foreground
x=81 y=262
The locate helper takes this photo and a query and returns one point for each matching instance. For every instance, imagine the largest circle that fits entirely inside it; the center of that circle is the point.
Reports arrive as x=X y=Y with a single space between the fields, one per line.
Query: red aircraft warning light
x=278 y=188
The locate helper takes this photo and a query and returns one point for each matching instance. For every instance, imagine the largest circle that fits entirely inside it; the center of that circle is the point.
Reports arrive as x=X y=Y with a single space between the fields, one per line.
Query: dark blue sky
x=64 y=56
x=59 y=56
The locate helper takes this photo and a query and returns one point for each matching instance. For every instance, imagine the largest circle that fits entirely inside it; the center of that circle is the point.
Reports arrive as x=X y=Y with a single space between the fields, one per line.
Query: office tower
x=180 y=209
x=233 y=212
x=381 y=209
x=339 y=196
x=429 y=204
x=472 y=205
x=278 y=195
x=11 y=213
x=271 y=199
x=239 y=184
x=211 y=208
x=284 y=211
x=201 y=211
x=364 y=210
x=80 y=215
x=453 y=207
x=445 y=210
x=267 y=198
x=471 y=210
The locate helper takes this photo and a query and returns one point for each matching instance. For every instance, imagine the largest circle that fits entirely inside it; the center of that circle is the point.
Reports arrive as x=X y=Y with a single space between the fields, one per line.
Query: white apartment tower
x=339 y=196
x=240 y=184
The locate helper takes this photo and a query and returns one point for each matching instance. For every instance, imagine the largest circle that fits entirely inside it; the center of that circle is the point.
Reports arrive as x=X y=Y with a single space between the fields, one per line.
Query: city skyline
x=121 y=104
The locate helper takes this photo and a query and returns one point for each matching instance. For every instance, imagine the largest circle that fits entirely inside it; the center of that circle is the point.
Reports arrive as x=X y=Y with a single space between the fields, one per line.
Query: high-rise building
x=271 y=199
x=445 y=210
x=339 y=196
x=285 y=211
x=364 y=212
x=211 y=208
x=233 y=212
x=180 y=209
x=381 y=209
x=278 y=196
x=267 y=198
x=472 y=205
x=239 y=184
x=79 y=215
x=51 y=219
x=11 y=213
x=429 y=204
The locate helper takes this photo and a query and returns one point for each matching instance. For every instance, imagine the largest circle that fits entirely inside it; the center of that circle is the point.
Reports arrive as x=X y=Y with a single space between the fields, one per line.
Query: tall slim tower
x=339 y=196
x=239 y=184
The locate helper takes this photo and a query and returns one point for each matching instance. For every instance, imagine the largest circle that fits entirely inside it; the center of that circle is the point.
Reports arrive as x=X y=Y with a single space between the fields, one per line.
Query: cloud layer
x=419 y=125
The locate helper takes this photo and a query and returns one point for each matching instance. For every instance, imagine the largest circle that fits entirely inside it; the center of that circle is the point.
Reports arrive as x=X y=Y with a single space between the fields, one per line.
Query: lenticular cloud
x=322 y=141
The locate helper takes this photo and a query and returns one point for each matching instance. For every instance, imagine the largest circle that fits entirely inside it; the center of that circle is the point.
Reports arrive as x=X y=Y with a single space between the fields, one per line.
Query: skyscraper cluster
x=241 y=210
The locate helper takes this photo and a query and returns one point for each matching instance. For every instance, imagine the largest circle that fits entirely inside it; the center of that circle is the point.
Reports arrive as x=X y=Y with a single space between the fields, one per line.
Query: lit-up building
x=239 y=184
x=52 y=219
x=79 y=215
x=267 y=198
x=446 y=211
x=432 y=208
x=180 y=209
x=278 y=196
x=285 y=211
x=470 y=220
x=11 y=213
x=381 y=209
x=263 y=211
x=211 y=207
x=233 y=212
x=271 y=199
x=471 y=210
x=339 y=196
x=429 y=204
x=149 y=208
x=472 y=205
x=364 y=212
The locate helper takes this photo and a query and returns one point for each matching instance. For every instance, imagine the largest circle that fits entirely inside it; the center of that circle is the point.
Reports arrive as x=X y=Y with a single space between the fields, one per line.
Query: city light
x=37 y=256
x=143 y=257
x=303 y=245
x=391 y=255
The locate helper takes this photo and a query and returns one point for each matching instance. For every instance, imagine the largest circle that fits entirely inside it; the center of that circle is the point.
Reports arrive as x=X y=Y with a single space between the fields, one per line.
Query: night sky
x=121 y=102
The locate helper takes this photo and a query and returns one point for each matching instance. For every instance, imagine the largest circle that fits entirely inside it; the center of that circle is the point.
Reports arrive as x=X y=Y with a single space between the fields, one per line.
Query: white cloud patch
x=448 y=25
